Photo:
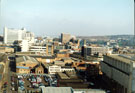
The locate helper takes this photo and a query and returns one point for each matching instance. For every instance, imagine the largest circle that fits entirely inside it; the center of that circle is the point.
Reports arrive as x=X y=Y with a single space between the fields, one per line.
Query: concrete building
x=38 y=49
x=88 y=50
x=44 y=50
x=65 y=37
x=11 y=35
x=120 y=71
x=24 y=46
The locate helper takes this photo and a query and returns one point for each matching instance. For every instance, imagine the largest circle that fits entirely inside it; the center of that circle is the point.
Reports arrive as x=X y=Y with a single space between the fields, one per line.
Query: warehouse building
x=120 y=69
x=24 y=64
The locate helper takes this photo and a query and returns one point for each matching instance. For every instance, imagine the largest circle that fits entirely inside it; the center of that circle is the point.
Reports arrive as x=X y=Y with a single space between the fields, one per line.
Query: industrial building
x=119 y=71
x=24 y=64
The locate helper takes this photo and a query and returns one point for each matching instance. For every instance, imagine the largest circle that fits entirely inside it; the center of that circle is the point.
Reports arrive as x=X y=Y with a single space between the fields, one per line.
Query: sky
x=77 y=17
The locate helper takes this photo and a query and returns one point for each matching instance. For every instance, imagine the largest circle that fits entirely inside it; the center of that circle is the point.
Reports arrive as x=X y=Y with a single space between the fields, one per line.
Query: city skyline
x=86 y=18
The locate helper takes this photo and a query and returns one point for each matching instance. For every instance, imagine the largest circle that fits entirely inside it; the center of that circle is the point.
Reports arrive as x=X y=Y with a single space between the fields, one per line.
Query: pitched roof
x=25 y=59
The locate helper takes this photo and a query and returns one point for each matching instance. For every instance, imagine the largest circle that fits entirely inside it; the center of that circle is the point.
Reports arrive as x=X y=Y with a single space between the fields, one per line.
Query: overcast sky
x=78 y=17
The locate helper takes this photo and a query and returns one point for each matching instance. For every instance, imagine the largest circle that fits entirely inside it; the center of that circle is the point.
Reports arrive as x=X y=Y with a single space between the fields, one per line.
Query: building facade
x=65 y=37
x=55 y=69
x=11 y=35
x=88 y=50
x=38 y=49
x=120 y=70
x=44 y=50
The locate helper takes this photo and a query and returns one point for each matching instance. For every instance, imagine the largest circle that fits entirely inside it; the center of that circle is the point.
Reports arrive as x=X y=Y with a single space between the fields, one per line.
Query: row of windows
x=117 y=63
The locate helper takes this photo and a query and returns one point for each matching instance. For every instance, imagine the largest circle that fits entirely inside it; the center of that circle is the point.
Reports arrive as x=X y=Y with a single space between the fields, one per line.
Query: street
x=7 y=77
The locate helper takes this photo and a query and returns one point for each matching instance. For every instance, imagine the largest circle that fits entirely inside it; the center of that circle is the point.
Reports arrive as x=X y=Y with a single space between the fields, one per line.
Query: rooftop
x=25 y=59
x=89 y=91
x=63 y=75
x=57 y=89
x=124 y=58
x=34 y=55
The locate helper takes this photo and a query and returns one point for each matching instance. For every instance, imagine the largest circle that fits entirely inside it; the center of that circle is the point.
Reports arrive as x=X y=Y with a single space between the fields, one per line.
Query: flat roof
x=123 y=58
x=91 y=90
x=57 y=89
x=96 y=47
x=63 y=75
x=58 y=61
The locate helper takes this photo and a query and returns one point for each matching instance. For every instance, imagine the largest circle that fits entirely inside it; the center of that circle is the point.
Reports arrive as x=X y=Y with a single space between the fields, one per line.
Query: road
x=7 y=76
x=9 y=79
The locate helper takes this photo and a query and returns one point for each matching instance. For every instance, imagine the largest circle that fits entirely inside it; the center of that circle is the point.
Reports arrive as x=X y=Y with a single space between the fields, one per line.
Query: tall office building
x=11 y=35
x=65 y=37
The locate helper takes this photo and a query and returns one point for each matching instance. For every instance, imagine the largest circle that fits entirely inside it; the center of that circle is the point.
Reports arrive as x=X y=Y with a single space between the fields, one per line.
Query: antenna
x=0 y=14
x=134 y=23
x=134 y=30
x=134 y=26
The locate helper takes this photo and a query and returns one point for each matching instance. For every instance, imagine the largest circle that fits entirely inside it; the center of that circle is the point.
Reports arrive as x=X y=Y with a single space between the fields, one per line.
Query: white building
x=54 y=69
x=11 y=35
x=38 y=49
x=24 y=46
